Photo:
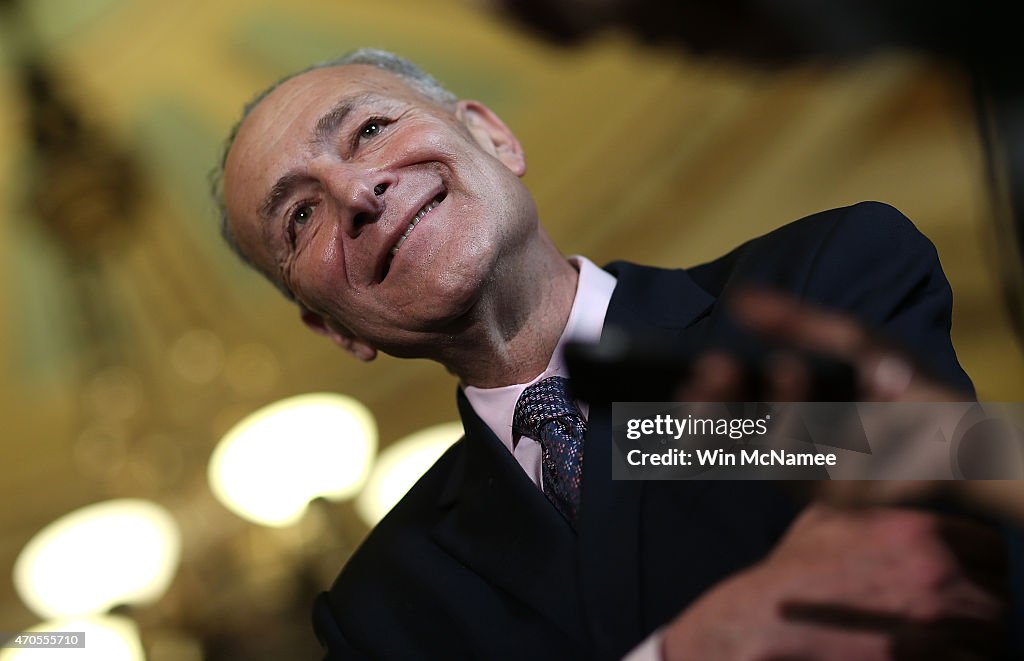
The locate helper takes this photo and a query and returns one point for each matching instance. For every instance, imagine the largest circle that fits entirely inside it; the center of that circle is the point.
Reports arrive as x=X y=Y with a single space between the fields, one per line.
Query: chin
x=463 y=275
x=449 y=300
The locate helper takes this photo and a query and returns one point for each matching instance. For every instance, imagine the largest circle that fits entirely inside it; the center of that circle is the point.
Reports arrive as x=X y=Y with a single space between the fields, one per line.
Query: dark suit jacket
x=475 y=562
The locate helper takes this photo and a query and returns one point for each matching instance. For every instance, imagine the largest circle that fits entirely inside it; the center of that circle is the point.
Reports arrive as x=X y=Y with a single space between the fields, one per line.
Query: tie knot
x=544 y=402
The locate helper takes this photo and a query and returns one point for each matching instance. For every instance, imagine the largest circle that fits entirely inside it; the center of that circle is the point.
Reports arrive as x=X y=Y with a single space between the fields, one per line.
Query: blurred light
x=107 y=638
x=400 y=465
x=101 y=450
x=198 y=355
x=271 y=464
x=95 y=558
x=114 y=394
x=171 y=645
x=251 y=369
x=157 y=462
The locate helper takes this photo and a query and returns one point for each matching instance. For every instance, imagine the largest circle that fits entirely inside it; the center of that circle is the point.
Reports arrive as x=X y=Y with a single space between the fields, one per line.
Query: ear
x=492 y=134
x=339 y=335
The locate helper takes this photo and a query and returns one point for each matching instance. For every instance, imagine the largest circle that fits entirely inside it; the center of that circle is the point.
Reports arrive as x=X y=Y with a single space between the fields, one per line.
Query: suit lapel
x=502 y=528
x=650 y=302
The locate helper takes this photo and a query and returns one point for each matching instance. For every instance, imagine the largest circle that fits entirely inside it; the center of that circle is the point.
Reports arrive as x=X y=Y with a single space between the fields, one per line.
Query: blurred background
x=140 y=358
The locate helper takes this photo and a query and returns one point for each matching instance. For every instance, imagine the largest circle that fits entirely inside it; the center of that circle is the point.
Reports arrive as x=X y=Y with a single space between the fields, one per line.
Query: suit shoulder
x=882 y=225
x=877 y=225
x=870 y=236
x=845 y=240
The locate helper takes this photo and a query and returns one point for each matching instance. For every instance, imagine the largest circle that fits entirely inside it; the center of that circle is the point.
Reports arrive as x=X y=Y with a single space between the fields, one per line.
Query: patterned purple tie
x=547 y=413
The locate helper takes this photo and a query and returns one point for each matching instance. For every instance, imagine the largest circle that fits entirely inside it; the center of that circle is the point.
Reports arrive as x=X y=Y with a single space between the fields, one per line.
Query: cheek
x=330 y=254
x=317 y=272
x=466 y=261
x=509 y=205
x=423 y=141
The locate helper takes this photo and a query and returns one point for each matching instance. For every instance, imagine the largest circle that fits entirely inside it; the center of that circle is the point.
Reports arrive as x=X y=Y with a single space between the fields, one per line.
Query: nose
x=358 y=194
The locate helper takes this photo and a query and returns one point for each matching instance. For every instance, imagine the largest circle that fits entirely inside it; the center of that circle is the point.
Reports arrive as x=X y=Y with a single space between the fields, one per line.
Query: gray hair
x=417 y=78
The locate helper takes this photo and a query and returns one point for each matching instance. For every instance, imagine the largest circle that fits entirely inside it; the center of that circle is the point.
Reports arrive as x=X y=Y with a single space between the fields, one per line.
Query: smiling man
x=398 y=222
x=393 y=214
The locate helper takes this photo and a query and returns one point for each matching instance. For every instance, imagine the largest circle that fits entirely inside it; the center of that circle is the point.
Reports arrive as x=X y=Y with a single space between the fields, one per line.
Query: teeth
x=415 y=221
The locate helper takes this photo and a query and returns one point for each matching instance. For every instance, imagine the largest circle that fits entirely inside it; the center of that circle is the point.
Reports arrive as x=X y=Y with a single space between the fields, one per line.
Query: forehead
x=276 y=137
x=308 y=95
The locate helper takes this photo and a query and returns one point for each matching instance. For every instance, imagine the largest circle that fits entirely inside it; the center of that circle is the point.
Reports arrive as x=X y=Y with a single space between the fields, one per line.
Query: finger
x=888 y=376
x=789 y=380
x=884 y=374
x=797 y=640
x=783 y=318
x=905 y=638
x=861 y=493
x=715 y=377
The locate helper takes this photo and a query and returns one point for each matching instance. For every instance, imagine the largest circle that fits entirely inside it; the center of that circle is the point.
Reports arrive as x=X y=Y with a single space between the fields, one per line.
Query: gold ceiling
x=122 y=368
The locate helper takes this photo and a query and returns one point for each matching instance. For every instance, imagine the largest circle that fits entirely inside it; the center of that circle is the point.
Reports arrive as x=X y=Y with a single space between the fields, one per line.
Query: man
x=395 y=217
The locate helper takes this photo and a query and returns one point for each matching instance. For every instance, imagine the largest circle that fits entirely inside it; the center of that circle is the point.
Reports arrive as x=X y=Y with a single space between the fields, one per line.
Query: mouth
x=419 y=216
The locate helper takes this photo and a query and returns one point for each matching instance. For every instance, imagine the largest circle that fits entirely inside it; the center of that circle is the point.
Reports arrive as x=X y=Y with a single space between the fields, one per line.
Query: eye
x=301 y=215
x=372 y=128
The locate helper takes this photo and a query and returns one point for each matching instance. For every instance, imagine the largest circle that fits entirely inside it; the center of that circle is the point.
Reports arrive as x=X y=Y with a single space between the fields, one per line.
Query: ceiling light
x=400 y=465
x=269 y=466
x=107 y=554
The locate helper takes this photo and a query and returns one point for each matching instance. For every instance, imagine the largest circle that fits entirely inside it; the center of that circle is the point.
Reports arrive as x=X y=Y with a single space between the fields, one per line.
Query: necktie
x=547 y=413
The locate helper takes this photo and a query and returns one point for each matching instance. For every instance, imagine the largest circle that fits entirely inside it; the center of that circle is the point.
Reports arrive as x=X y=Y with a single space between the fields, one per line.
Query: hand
x=884 y=373
x=866 y=584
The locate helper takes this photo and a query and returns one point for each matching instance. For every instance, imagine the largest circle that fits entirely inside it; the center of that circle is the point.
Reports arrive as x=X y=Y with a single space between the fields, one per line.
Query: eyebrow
x=323 y=133
x=278 y=194
x=331 y=121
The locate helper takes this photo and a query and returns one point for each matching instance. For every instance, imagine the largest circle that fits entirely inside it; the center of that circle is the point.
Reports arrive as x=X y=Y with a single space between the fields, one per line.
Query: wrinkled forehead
x=277 y=137
x=308 y=95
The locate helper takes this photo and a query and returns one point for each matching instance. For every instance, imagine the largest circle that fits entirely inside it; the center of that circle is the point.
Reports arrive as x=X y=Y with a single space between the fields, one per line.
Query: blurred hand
x=856 y=584
x=844 y=584
x=884 y=374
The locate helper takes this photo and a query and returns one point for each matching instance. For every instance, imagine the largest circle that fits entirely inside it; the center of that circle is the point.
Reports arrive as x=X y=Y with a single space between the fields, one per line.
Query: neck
x=513 y=330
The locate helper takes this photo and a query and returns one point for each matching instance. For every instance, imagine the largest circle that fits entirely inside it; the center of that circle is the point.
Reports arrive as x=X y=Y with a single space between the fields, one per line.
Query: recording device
x=625 y=367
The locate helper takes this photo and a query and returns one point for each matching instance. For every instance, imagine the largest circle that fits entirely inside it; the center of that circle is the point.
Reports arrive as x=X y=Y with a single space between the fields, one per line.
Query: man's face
x=382 y=211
